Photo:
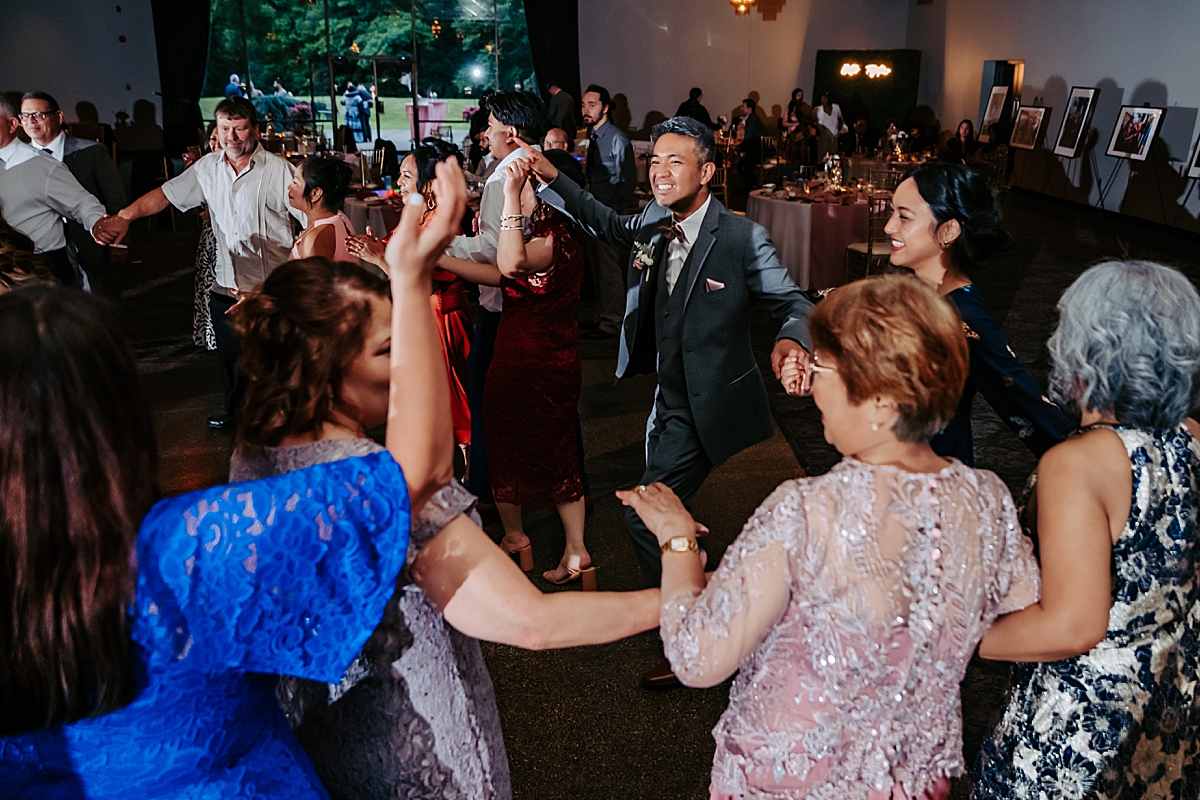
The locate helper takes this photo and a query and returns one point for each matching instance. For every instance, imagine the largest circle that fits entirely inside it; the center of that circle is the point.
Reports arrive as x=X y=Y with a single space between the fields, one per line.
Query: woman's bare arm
x=473 y=271
x=1083 y=485
x=419 y=431
x=321 y=242
x=482 y=593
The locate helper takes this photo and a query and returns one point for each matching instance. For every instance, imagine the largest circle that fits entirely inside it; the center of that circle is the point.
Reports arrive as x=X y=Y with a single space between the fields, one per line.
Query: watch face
x=679 y=544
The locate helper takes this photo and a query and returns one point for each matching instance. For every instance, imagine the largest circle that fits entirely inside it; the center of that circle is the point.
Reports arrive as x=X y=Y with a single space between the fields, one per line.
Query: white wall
x=71 y=49
x=1135 y=52
x=653 y=51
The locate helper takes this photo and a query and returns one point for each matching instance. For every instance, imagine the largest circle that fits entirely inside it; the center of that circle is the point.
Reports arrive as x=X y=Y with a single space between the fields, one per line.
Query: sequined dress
x=531 y=397
x=415 y=716
x=1123 y=719
x=236 y=584
x=850 y=605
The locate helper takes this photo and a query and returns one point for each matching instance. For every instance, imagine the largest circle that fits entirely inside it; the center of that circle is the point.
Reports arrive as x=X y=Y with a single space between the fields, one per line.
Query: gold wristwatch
x=680 y=544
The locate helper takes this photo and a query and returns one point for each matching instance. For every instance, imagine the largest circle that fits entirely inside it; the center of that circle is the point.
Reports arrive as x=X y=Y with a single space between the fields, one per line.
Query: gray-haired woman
x=1106 y=702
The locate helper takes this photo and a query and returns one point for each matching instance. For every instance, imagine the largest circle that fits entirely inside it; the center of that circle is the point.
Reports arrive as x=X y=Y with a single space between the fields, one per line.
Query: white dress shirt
x=36 y=192
x=57 y=146
x=481 y=248
x=250 y=213
x=678 y=249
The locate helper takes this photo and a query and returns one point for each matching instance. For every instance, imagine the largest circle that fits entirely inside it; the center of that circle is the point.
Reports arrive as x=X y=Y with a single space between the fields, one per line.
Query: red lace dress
x=533 y=385
x=452 y=309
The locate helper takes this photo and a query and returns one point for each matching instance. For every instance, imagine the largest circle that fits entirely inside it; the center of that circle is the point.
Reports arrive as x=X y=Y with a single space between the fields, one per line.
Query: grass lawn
x=394 y=116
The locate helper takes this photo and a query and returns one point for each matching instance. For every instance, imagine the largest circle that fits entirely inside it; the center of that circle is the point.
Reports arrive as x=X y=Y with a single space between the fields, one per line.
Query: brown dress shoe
x=660 y=677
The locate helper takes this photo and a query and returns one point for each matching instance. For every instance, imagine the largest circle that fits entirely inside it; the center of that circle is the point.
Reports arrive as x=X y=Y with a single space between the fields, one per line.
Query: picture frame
x=993 y=113
x=1134 y=132
x=1194 y=165
x=1072 y=133
x=1026 y=127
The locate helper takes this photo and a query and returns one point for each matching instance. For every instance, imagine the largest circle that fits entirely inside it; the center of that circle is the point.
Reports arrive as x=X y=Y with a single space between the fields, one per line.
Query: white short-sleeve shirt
x=250 y=213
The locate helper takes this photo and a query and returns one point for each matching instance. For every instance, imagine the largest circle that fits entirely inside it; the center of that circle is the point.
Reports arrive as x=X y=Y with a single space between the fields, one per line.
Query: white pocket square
x=713 y=286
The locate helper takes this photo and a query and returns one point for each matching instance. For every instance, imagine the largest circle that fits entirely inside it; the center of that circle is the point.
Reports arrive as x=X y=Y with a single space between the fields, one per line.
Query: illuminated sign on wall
x=850 y=69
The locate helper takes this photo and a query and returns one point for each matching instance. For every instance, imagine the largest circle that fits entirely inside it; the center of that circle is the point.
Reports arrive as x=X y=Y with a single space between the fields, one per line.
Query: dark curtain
x=181 y=36
x=554 y=40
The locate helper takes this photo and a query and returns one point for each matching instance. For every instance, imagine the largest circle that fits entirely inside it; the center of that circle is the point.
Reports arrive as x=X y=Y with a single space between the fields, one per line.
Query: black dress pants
x=229 y=350
x=675 y=457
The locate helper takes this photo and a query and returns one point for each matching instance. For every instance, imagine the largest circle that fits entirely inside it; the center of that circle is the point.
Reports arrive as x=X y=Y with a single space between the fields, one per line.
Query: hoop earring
x=430 y=203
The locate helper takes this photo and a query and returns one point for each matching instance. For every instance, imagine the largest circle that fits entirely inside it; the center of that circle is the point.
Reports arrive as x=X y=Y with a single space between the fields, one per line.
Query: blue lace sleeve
x=287 y=575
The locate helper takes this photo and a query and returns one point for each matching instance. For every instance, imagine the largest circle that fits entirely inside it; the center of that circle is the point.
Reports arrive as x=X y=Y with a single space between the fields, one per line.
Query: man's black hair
x=45 y=98
x=695 y=93
x=605 y=98
x=698 y=132
x=522 y=111
x=750 y=103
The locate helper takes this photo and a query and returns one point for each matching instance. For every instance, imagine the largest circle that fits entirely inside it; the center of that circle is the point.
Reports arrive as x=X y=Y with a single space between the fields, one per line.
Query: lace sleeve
x=707 y=636
x=285 y=575
x=1018 y=579
x=451 y=501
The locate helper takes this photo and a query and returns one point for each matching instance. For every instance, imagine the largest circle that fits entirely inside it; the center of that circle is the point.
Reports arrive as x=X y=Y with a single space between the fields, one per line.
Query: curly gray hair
x=1128 y=342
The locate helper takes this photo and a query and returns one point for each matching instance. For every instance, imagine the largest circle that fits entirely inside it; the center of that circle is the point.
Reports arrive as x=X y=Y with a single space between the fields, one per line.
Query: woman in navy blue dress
x=946 y=222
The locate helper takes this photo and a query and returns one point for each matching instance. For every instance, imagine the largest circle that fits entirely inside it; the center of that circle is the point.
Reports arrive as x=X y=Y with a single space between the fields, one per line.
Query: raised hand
x=517 y=174
x=368 y=248
x=414 y=249
x=539 y=165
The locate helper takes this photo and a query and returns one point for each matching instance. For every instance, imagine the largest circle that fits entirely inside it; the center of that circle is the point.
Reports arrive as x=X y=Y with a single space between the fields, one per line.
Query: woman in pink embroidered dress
x=851 y=602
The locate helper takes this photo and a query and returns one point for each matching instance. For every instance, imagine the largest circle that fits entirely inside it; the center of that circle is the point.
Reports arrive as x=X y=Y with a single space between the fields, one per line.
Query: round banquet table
x=810 y=238
x=380 y=216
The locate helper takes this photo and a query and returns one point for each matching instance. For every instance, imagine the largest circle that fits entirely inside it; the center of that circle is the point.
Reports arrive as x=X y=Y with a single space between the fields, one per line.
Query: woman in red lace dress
x=530 y=403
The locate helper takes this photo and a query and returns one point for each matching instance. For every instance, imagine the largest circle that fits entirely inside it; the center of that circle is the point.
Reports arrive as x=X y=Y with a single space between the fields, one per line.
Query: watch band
x=680 y=544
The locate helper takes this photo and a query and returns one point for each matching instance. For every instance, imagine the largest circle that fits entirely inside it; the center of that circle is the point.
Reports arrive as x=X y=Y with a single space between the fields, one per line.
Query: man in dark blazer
x=698 y=269
x=91 y=165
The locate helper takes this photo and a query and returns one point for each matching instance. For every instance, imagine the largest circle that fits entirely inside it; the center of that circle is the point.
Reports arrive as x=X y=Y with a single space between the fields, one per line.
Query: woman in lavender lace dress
x=415 y=716
x=851 y=602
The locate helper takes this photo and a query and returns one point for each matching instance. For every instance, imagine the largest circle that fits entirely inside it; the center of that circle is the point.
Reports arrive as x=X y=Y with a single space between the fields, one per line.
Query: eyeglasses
x=810 y=370
x=34 y=116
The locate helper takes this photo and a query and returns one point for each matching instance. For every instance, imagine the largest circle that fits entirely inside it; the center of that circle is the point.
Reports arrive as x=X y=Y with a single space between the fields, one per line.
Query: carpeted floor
x=576 y=723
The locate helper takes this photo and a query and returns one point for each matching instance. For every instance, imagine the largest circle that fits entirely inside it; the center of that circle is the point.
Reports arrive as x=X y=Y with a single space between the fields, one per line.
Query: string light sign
x=851 y=69
x=740 y=7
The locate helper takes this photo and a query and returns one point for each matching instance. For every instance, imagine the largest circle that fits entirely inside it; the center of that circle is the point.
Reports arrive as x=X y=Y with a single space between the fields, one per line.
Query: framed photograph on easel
x=1072 y=133
x=1026 y=127
x=993 y=112
x=1194 y=167
x=1134 y=132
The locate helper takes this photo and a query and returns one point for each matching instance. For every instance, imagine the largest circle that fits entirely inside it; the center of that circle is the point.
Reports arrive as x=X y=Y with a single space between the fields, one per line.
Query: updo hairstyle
x=894 y=336
x=300 y=335
x=955 y=191
x=331 y=175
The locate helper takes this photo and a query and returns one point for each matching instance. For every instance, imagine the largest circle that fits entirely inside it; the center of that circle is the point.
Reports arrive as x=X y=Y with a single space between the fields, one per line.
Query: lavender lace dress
x=851 y=604
x=415 y=715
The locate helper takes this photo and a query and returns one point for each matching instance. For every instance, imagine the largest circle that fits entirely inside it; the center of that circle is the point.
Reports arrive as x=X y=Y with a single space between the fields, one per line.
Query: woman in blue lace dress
x=1104 y=699
x=140 y=649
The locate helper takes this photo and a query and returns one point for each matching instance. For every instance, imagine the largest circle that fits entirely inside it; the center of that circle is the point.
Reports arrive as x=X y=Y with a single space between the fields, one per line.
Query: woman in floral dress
x=1104 y=701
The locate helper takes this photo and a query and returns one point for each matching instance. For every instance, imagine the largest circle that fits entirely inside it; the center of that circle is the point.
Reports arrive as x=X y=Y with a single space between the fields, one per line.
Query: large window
x=278 y=48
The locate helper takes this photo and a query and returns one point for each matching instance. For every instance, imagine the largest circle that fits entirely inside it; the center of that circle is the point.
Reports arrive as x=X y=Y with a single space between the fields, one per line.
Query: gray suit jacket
x=91 y=165
x=732 y=264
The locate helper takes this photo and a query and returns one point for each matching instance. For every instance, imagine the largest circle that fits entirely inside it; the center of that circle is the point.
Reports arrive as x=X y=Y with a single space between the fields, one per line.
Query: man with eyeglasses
x=91 y=165
x=37 y=192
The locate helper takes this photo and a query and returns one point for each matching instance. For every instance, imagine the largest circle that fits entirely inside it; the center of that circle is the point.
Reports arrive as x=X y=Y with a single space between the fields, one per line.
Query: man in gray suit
x=695 y=272
x=91 y=165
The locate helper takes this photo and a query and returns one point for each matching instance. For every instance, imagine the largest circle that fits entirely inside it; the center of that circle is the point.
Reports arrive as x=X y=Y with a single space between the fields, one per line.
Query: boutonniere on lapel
x=643 y=254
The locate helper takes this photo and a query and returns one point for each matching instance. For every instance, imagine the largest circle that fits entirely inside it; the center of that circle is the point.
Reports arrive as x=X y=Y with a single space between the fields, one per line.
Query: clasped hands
x=110 y=229
x=790 y=361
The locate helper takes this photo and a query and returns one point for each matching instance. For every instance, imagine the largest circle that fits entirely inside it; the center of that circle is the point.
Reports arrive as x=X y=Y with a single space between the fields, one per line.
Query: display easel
x=1183 y=205
x=1106 y=186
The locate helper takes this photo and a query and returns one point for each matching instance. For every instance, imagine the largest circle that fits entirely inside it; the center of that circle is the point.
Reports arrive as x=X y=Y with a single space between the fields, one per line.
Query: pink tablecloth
x=380 y=216
x=811 y=238
x=433 y=114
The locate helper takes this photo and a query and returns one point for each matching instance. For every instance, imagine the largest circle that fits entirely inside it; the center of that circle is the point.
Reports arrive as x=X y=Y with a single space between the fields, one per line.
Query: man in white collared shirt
x=246 y=190
x=91 y=165
x=513 y=117
x=37 y=192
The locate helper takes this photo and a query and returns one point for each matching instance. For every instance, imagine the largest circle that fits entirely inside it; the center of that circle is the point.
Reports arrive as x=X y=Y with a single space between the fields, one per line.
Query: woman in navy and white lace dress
x=1104 y=699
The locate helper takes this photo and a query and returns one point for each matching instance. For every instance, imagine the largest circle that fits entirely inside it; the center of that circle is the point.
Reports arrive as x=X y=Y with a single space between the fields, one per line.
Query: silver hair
x=1128 y=342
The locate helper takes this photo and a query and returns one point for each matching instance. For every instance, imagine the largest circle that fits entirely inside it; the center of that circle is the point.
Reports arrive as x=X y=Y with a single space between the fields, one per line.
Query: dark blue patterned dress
x=236 y=584
x=1122 y=720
